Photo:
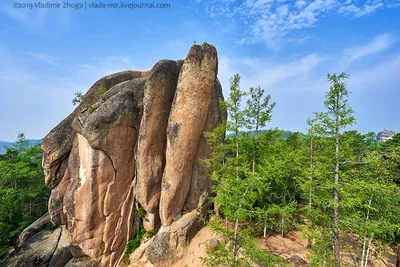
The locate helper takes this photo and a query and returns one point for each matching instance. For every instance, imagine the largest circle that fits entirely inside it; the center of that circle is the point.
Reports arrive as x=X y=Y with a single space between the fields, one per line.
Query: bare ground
x=292 y=248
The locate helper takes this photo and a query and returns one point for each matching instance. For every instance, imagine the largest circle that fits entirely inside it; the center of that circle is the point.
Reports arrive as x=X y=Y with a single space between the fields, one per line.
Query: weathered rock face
x=135 y=145
x=158 y=97
x=385 y=135
x=185 y=127
x=40 y=246
x=40 y=224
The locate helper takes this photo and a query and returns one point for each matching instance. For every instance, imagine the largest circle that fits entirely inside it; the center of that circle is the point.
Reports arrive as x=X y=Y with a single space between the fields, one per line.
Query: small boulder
x=297 y=261
x=213 y=244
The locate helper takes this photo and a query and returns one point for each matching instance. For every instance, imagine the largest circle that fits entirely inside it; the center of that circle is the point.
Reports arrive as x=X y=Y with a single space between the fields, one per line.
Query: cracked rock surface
x=134 y=145
x=43 y=247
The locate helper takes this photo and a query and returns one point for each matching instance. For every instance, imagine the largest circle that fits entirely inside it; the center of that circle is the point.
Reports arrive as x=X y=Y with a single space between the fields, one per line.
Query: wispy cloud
x=269 y=75
x=377 y=45
x=46 y=59
x=359 y=11
x=36 y=19
x=101 y=66
x=23 y=83
x=270 y=20
x=28 y=17
x=378 y=78
x=298 y=86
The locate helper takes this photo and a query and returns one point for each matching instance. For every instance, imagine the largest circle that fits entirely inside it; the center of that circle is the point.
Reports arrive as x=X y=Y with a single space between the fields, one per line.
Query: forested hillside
x=23 y=195
x=4 y=145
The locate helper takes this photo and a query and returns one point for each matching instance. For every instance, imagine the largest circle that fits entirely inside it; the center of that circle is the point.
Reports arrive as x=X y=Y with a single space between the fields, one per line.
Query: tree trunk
x=265 y=228
x=336 y=245
x=365 y=237
x=236 y=229
x=309 y=241
x=398 y=257
x=369 y=247
x=255 y=148
x=234 y=250
x=363 y=251
x=237 y=152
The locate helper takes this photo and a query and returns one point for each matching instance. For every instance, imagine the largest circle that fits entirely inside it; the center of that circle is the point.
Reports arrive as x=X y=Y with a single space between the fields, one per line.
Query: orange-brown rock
x=186 y=125
x=200 y=183
x=158 y=97
x=134 y=144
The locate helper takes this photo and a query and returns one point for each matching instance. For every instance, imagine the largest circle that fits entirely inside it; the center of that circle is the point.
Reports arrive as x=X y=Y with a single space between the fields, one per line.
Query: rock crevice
x=132 y=153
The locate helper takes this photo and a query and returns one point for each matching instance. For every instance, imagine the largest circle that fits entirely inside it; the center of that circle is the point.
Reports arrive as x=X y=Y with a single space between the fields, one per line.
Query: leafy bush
x=78 y=98
x=133 y=244
x=100 y=90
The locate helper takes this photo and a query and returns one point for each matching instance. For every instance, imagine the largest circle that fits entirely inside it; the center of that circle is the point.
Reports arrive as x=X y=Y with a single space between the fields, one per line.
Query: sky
x=287 y=47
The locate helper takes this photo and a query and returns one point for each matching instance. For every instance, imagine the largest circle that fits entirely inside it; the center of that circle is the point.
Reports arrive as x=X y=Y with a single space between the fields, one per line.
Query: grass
x=100 y=90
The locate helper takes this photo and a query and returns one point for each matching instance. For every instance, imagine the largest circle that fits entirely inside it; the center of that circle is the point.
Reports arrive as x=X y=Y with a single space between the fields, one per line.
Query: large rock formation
x=132 y=153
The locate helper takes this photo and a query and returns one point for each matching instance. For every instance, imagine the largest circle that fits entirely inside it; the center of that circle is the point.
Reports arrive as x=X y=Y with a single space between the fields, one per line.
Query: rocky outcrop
x=39 y=225
x=45 y=248
x=185 y=128
x=385 y=135
x=132 y=153
x=158 y=97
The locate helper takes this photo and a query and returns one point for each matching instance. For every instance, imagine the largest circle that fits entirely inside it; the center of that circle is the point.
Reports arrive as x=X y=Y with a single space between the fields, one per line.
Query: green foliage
x=151 y=233
x=326 y=182
x=141 y=212
x=338 y=114
x=23 y=195
x=232 y=105
x=259 y=109
x=90 y=107
x=133 y=244
x=77 y=99
x=100 y=90
x=393 y=142
x=250 y=253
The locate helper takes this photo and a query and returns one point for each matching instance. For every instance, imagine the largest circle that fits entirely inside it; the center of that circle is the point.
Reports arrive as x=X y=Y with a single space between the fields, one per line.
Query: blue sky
x=285 y=46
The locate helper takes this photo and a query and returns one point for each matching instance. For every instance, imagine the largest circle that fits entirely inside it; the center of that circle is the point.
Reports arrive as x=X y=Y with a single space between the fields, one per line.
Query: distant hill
x=285 y=133
x=4 y=144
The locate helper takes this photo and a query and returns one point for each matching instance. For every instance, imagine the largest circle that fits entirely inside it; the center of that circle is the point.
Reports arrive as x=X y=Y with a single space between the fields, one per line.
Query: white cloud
x=379 y=44
x=300 y=3
x=357 y=12
x=378 y=78
x=298 y=86
x=33 y=93
x=101 y=66
x=36 y=19
x=46 y=59
x=30 y=18
x=270 y=20
x=268 y=75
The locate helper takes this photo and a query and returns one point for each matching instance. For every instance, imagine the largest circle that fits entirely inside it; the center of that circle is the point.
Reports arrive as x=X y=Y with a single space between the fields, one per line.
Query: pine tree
x=337 y=116
x=235 y=114
x=258 y=113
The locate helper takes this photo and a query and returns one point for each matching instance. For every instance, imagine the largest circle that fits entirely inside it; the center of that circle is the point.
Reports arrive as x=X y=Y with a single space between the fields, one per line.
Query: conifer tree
x=337 y=116
x=258 y=112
